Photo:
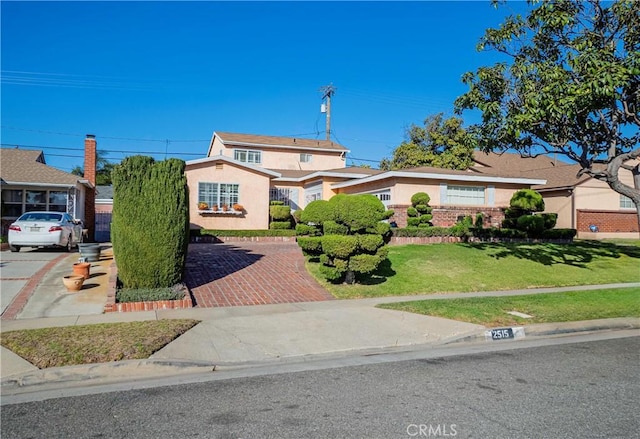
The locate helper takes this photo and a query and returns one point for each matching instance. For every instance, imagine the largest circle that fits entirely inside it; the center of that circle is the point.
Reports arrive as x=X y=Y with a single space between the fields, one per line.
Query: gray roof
x=104 y=192
x=21 y=166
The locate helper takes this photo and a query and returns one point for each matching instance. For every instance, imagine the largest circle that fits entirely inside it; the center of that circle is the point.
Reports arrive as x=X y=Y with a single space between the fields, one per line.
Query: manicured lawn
x=545 y=308
x=102 y=343
x=424 y=269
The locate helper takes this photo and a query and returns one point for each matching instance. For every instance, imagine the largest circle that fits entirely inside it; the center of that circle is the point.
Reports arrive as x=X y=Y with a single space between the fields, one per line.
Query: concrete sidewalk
x=249 y=335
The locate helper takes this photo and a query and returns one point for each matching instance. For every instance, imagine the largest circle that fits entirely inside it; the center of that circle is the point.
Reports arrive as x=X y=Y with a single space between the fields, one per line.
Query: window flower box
x=220 y=212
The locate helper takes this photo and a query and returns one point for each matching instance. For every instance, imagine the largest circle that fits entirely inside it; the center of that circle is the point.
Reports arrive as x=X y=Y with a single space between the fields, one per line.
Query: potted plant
x=215 y=207
x=225 y=207
x=202 y=206
x=238 y=207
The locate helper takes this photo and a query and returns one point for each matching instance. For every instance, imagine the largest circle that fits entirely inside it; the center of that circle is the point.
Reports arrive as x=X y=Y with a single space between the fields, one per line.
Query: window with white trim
x=626 y=202
x=384 y=196
x=305 y=158
x=312 y=193
x=247 y=156
x=465 y=195
x=218 y=194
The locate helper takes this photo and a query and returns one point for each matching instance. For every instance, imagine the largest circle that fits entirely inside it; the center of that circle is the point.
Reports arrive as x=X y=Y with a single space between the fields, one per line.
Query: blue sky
x=158 y=78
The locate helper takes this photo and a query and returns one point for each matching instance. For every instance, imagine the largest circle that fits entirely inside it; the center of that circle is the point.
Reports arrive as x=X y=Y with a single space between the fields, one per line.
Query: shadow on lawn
x=379 y=276
x=576 y=254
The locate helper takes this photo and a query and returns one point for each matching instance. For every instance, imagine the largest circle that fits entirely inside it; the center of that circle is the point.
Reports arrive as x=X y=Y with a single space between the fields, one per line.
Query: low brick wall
x=112 y=306
x=445 y=216
x=608 y=221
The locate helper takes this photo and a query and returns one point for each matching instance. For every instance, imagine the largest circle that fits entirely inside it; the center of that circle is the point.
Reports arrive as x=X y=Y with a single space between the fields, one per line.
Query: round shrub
x=425 y=218
x=332 y=274
x=305 y=229
x=411 y=211
x=317 y=212
x=333 y=228
x=550 y=220
x=364 y=263
x=357 y=211
x=337 y=246
x=413 y=222
x=310 y=245
x=423 y=208
x=533 y=225
x=527 y=200
x=420 y=198
x=370 y=243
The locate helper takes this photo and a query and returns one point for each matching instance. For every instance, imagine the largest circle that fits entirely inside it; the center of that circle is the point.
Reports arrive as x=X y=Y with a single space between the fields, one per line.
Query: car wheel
x=14 y=248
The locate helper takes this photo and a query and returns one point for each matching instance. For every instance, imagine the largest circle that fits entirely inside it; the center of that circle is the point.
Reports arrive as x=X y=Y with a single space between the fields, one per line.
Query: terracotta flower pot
x=73 y=282
x=82 y=269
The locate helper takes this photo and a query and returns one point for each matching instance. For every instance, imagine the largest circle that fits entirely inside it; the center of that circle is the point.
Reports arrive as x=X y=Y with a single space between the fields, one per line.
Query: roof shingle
x=27 y=166
x=278 y=141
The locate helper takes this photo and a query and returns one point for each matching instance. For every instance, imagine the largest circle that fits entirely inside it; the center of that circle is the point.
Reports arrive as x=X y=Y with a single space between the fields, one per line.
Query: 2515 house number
x=501 y=334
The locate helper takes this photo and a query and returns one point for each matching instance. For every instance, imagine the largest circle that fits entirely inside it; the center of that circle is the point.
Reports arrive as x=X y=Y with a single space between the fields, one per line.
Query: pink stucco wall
x=253 y=195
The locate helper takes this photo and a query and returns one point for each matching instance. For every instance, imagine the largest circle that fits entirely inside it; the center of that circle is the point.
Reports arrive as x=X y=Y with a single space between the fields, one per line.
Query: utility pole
x=327 y=91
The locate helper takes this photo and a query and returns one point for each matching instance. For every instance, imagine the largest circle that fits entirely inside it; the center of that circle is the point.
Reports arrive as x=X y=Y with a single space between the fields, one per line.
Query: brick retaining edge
x=112 y=306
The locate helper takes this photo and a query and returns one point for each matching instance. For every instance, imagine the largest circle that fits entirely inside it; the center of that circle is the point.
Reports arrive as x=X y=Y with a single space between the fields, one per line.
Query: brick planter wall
x=112 y=306
x=608 y=221
x=446 y=216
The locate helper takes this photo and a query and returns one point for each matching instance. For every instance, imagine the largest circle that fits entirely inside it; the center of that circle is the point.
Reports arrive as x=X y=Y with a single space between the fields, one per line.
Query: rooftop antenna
x=327 y=91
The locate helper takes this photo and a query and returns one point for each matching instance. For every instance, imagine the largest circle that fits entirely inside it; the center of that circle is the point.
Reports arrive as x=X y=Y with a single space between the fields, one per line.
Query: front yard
x=438 y=268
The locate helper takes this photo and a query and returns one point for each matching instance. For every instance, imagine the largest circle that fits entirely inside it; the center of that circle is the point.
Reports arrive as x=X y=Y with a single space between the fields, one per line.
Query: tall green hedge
x=150 y=221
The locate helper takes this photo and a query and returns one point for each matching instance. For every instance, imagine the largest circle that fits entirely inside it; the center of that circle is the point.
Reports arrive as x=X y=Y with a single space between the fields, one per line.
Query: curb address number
x=499 y=334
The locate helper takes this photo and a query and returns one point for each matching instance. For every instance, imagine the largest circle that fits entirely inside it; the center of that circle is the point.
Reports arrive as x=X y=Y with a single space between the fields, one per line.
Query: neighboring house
x=582 y=203
x=252 y=170
x=29 y=184
x=104 y=208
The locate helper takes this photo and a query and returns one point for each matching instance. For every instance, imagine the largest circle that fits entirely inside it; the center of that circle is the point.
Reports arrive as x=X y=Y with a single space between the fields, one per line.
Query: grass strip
x=545 y=308
x=101 y=343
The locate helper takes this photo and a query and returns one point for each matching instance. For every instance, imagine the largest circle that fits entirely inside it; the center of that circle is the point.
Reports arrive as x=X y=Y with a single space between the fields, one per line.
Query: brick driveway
x=250 y=273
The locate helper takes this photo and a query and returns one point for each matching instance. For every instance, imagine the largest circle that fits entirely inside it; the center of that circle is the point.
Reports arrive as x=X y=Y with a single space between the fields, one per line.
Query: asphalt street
x=569 y=390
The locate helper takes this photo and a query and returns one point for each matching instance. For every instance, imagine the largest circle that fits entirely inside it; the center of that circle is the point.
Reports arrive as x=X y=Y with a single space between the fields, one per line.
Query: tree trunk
x=350 y=277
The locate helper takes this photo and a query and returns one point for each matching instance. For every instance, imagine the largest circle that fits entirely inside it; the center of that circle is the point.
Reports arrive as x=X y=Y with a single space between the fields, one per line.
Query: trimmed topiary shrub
x=351 y=227
x=280 y=225
x=305 y=229
x=317 y=212
x=564 y=234
x=419 y=214
x=532 y=225
x=521 y=214
x=150 y=221
x=333 y=228
x=420 y=198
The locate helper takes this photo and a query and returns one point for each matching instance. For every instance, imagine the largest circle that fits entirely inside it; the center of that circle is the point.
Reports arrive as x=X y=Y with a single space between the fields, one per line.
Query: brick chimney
x=90 y=171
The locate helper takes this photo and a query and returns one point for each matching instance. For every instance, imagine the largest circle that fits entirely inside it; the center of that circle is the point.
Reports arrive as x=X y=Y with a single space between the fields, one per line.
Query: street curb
x=111 y=372
x=556 y=329
x=119 y=371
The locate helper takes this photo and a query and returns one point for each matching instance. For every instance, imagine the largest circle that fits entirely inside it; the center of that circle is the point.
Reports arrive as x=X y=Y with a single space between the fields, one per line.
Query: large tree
x=442 y=143
x=570 y=86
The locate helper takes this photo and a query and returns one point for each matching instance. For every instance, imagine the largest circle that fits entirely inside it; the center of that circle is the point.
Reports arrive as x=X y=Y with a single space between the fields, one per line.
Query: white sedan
x=44 y=229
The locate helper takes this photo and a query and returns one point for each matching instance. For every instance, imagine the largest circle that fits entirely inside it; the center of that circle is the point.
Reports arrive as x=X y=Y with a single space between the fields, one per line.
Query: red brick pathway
x=250 y=273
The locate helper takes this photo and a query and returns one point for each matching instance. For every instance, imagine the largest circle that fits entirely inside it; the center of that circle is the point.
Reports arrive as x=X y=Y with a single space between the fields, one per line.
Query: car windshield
x=41 y=216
